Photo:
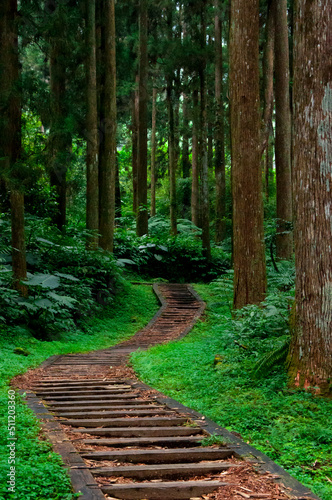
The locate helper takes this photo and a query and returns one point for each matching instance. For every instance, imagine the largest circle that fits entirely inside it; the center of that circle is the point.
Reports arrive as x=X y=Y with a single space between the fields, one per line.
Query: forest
x=147 y=141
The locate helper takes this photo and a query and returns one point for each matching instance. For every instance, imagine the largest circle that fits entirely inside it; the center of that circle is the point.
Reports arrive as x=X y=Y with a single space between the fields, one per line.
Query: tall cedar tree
x=283 y=134
x=194 y=167
x=10 y=138
x=142 y=191
x=219 y=127
x=311 y=347
x=59 y=145
x=92 y=153
x=205 y=206
x=248 y=231
x=153 y=151
x=134 y=141
x=107 y=166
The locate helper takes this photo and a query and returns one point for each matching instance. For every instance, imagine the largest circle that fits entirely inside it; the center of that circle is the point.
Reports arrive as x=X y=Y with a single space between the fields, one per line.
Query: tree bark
x=283 y=134
x=10 y=137
x=153 y=152
x=248 y=232
x=59 y=138
x=185 y=138
x=268 y=67
x=92 y=152
x=108 y=163
x=171 y=157
x=311 y=346
x=134 y=139
x=219 y=129
x=205 y=205
x=195 y=171
x=142 y=195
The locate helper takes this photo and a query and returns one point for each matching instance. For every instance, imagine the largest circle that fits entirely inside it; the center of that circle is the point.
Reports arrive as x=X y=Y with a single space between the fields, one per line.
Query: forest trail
x=120 y=439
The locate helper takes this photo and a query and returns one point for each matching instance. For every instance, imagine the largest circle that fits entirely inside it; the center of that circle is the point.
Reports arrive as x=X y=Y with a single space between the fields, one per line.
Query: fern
x=271 y=359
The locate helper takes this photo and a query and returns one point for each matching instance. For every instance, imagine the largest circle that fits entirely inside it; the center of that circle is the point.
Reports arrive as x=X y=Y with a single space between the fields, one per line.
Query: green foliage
x=290 y=426
x=160 y=255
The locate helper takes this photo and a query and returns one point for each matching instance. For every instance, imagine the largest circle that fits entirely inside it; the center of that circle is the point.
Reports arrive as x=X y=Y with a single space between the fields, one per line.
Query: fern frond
x=271 y=359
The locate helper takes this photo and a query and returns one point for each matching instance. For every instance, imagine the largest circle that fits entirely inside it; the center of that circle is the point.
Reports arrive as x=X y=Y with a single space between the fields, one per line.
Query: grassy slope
x=293 y=428
x=39 y=475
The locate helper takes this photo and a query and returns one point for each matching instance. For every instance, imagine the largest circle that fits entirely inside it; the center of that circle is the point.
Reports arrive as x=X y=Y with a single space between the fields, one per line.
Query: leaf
x=44 y=303
x=67 y=276
x=48 y=242
x=158 y=257
x=122 y=262
x=63 y=299
x=32 y=259
x=165 y=249
x=44 y=280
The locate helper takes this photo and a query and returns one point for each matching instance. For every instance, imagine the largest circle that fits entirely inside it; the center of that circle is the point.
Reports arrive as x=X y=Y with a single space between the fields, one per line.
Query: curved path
x=132 y=442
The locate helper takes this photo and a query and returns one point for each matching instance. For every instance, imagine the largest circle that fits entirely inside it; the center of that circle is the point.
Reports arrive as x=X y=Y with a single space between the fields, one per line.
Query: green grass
x=292 y=427
x=39 y=471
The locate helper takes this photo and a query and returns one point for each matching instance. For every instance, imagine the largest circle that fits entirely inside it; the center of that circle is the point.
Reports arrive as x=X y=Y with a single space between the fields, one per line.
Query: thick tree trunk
x=248 y=232
x=171 y=157
x=10 y=137
x=134 y=141
x=283 y=134
x=311 y=347
x=268 y=67
x=59 y=138
x=219 y=130
x=92 y=147
x=195 y=171
x=142 y=190
x=153 y=152
x=107 y=171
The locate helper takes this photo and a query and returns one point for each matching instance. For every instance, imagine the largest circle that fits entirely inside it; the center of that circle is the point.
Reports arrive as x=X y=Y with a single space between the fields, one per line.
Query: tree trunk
x=248 y=232
x=59 y=138
x=311 y=347
x=268 y=67
x=205 y=205
x=171 y=157
x=118 y=208
x=185 y=138
x=108 y=163
x=10 y=137
x=134 y=139
x=219 y=130
x=283 y=134
x=142 y=190
x=153 y=152
x=92 y=148
x=195 y=172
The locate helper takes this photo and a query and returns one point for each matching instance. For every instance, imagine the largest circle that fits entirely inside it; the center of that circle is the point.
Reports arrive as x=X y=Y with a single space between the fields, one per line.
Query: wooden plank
x=162 y=471
x=101 y=390
x=147 y=441
x=55 y=397
x=106 y=402
x=117 y=413
x=123 y=408
x=141 y=431
x=125 y=422
x=162 y=490
x=161 y=456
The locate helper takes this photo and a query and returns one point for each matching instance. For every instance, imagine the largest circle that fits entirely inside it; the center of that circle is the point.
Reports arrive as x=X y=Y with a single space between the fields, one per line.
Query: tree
x=107 y=167
x=10 y=138
x=248 y=232
x=283 y=134
x=142 y=191
x=153 y=152
x=311 y=347
x=92 y=154
x=219 y=128
x=195 y=153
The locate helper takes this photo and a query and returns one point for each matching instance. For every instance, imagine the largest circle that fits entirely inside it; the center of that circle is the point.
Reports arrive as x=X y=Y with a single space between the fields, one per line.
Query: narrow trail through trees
x=122 y=440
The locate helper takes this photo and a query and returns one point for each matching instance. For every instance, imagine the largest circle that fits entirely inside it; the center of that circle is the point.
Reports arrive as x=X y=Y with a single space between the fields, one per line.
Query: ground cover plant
x=39 y=471
x=231 y=369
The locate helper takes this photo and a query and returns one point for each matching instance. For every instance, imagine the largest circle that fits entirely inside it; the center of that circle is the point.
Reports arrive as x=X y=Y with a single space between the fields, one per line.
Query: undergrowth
x=231 y=369
x=39 y=471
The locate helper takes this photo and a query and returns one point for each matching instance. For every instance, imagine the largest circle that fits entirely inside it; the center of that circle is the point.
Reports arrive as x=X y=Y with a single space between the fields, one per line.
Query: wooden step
x=80 y=387
x=162 y=471
x=118 y=413
x=103 y=395
x=162 y=490
x=141 y=431
x=123 y=408
x=169 y=441
x=101 y=390
x=125 y=422
x=88 y=403
x=161 y=456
